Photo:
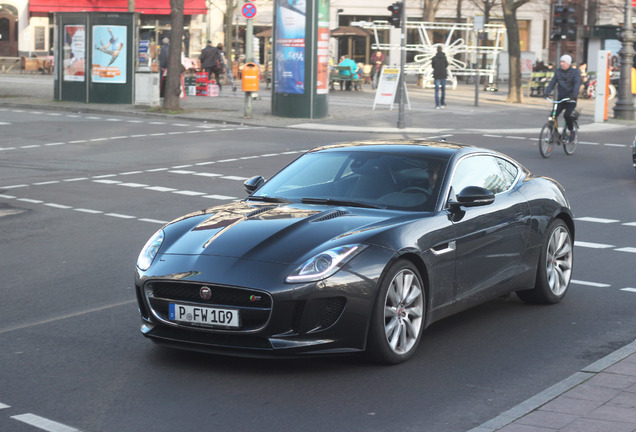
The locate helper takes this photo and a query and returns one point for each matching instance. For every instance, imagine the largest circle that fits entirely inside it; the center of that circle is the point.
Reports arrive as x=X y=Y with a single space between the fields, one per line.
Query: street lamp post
x=624 y=108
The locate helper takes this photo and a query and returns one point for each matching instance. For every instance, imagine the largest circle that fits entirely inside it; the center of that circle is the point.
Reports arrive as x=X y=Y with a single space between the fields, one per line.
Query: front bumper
x=326 y=317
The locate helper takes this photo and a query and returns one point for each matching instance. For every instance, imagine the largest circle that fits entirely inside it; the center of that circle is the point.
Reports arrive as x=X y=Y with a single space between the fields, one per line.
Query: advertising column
x=301 y=55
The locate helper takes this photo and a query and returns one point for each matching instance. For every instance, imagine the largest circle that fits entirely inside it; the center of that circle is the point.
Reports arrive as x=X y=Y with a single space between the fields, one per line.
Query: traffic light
x=558 y=21
x=563 y=24
x=396 y=14
x=568 y=29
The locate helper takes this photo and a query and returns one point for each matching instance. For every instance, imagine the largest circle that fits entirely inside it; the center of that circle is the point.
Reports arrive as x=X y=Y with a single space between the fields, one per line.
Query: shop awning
x=349 y=31
x=158 y=7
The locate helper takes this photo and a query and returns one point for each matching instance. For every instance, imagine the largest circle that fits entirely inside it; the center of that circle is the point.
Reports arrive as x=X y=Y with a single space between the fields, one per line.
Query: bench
x=35 y=65
x=339 y=74
x=538 y=82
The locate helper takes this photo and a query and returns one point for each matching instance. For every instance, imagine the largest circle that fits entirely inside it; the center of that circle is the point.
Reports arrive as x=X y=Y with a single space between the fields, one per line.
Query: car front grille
x=254 y=306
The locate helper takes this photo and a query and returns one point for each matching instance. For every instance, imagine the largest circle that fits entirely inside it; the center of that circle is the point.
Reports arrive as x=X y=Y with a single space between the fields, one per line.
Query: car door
x=490 y=239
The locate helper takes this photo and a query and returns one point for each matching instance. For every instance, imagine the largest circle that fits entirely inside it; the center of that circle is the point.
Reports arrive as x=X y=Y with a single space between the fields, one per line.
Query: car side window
x=490 y=172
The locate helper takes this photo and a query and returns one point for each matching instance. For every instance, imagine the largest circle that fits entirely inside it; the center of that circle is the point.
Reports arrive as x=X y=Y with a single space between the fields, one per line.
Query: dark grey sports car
x=356 y=247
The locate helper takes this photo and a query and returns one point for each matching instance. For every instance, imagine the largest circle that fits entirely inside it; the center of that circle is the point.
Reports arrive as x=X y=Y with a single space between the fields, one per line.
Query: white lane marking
x=133 y=185
x=627 y=249
x=189 y=193
x=181 y=172
x=629 y=289
x=630 y=224
x=593 y=245
x=7 y=148
x=493 y=136
x=55 y=144
x=205 y=163
x=160 y=189
x=98 y=139
x=181 y=166
x=77 y=141
x=154 y=221
x=220 y=197
x=59 y=206
x=46 y=183
x=83 y=210
x=3 y=406
x=592 y=284
x=107 y=181
x=157 y=170
x=588 y=143
x=131 y=172
x=227 y=160
x=104 y=176
x=30 y=146
x=15 y=186
x=43 y=423
x=234 y=178
x=597 y=220
x=203 y=174
x=76 y=179
x=614 y=145
x=29 y=200
x=7 y=196
x=4 y=123
x=121 y=216
x=516 y=137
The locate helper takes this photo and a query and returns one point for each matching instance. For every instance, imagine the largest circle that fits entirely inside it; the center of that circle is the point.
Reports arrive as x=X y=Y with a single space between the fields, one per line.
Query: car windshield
x=366 y=179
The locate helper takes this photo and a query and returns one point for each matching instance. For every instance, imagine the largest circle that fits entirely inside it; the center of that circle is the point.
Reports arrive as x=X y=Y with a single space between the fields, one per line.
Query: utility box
x=250 y=77
x=147 y=89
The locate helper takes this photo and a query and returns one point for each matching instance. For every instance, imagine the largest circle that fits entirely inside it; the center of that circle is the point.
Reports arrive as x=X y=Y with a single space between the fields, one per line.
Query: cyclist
x=569 y=80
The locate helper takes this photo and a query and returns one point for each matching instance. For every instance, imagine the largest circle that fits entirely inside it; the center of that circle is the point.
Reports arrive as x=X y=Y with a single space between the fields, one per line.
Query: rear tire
x=555 y=266
x=570 y=147
x=398 y=315
x=546 y=140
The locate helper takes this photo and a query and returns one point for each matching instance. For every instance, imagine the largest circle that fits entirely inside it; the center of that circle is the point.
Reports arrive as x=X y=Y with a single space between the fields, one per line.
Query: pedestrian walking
x=440 y=73
x=211 y=62
x=569 y=81
x=377 y=60
x=163 y=64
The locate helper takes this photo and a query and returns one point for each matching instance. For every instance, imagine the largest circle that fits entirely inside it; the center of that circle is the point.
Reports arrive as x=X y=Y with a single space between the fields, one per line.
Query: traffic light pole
x=402 y=81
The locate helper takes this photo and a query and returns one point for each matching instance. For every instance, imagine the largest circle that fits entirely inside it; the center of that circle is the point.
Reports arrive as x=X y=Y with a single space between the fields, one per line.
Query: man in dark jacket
x=211 y=62
x=569 y=80
x=440 y=73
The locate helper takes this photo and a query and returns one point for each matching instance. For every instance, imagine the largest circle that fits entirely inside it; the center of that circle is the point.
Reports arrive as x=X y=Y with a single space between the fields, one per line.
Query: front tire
x=398 y=315
x=546 y=139
x=570 y=146
x=555 y=267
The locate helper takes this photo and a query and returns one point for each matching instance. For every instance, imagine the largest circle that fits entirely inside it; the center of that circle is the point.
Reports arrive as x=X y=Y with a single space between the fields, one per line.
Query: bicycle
x=550 y=134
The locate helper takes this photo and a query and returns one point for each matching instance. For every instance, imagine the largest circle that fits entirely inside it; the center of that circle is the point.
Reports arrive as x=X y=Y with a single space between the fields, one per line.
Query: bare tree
x=230 y=7
x=175 y=68
x=429 y=9
x=514 y=48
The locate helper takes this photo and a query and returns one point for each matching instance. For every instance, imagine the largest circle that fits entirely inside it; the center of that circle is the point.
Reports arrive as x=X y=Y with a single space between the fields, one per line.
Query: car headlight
x=149 y=251
x=324 y=264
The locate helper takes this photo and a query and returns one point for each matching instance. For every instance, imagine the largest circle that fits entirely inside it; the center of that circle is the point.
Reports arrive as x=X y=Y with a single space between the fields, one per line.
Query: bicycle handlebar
x=562 y=100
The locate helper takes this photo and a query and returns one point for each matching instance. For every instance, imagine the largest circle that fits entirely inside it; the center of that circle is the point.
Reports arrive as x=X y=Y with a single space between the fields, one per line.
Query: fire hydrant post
x=250 y=82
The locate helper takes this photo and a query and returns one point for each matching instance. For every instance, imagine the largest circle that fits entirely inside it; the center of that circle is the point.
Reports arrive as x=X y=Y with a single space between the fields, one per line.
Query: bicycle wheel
x=570 y=145
x=546 y=139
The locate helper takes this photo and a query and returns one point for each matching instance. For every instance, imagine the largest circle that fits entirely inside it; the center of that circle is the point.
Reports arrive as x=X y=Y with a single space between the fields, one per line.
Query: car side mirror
x=253 y=184
x=472 y=196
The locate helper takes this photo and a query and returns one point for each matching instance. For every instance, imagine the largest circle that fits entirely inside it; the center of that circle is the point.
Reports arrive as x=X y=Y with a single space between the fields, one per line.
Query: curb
x=556 y=390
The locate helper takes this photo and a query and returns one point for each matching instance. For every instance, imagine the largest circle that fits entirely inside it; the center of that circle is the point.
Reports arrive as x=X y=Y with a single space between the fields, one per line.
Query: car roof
x=441 y=149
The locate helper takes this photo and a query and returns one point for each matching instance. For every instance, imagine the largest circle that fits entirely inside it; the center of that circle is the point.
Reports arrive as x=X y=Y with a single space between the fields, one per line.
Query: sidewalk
x=600 y=397
x=348 y=111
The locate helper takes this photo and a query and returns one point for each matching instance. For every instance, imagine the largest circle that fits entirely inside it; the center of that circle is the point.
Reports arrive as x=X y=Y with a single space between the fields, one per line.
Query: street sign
x=248 y=10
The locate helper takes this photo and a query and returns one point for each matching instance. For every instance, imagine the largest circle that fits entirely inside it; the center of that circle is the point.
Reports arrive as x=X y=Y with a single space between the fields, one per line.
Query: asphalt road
x=81 y=193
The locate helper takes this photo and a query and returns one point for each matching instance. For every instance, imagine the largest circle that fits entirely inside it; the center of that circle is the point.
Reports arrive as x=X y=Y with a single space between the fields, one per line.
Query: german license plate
x=204 y=315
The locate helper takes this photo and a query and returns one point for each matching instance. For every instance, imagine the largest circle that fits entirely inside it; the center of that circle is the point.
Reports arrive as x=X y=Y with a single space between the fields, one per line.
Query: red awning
x=159 y=7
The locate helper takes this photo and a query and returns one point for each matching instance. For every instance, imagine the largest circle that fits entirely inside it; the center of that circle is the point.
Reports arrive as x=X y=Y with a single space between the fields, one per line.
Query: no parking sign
x=248 y=10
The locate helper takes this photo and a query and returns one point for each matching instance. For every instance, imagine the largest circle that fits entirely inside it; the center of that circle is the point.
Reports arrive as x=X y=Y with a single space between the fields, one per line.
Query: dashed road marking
x=43 y=423
x=593 y=245
x=629 y=289
x=592 y=284
x=597 y=220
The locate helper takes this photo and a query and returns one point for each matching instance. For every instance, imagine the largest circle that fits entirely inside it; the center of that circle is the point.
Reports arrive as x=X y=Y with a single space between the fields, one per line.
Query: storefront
x=154 y=21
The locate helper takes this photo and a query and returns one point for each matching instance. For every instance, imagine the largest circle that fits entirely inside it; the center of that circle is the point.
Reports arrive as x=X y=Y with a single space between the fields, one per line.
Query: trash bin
x=250 y=77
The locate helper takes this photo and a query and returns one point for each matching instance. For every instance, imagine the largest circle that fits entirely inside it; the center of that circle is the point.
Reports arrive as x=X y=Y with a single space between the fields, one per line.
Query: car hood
x=276 y=233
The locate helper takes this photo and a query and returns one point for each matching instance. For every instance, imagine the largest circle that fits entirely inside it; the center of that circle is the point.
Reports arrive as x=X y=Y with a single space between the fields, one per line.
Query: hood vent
x=330 y=215
x=259 y=211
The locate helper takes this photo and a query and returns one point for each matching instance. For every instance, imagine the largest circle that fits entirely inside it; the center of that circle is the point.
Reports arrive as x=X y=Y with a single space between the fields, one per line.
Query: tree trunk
x=230 y=7
x=175 y=68
x=514 y=51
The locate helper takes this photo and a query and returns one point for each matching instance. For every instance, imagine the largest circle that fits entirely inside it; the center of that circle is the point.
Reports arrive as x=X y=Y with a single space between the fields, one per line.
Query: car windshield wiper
x=267 y=199
x=339 y=202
